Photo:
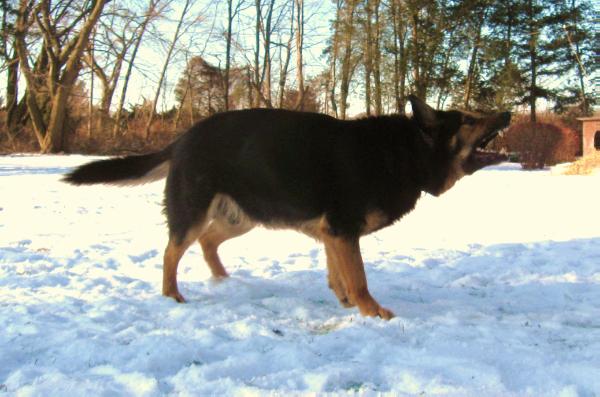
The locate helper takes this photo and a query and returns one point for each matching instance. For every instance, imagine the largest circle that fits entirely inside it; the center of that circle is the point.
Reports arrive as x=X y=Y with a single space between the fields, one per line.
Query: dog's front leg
x=345 y=254
x=334 y=280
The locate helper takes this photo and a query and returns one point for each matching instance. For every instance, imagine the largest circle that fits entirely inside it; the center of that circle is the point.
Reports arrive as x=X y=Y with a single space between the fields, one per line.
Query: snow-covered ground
x=496 y=288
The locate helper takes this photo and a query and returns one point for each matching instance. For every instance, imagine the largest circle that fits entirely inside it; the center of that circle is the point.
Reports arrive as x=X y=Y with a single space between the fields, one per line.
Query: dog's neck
x=425 y=155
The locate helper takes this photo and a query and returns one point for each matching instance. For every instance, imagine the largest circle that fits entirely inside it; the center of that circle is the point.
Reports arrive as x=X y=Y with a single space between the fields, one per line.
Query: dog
x=333 y=180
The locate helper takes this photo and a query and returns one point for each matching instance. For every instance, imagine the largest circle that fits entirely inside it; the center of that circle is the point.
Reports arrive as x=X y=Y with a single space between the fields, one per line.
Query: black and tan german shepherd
x=334 y=180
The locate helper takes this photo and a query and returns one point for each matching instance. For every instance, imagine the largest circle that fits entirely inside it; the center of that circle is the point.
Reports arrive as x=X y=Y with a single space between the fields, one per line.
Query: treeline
x=327 y=57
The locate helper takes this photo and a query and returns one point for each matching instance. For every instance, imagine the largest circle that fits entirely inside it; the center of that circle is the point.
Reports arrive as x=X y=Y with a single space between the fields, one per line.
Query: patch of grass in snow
x=585 y=165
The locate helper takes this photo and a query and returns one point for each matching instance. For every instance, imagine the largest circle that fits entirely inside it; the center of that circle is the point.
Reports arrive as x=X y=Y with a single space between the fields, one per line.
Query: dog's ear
x=424 y=114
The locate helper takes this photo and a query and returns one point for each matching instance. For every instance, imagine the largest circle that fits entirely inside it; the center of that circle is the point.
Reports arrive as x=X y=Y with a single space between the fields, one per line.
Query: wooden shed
x=590 y=135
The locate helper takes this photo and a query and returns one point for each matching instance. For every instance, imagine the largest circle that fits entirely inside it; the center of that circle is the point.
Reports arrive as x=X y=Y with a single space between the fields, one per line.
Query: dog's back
x=285 y=167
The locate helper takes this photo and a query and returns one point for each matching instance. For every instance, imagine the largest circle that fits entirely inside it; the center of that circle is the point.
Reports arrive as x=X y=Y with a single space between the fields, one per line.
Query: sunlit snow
x=496 y=288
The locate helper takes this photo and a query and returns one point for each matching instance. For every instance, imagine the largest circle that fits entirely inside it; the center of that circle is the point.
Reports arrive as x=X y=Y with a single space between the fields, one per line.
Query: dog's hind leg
x=176 y=247
x=187 y=207
x=346 y=256
x=219 y=231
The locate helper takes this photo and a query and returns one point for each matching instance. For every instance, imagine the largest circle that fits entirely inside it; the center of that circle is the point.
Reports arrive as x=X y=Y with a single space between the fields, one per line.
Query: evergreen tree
x=581 y=57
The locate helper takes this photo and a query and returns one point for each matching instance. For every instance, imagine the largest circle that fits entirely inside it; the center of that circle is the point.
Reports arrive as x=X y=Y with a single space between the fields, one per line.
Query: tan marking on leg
x=374 y=221
x=334 y=280
x=218 y=232
x=310 y=228
x=173 y=254
x=346 y=255
x=209 y=242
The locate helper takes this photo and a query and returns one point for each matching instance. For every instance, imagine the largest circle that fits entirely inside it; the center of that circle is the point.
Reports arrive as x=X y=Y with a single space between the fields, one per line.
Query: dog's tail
x=129 y=170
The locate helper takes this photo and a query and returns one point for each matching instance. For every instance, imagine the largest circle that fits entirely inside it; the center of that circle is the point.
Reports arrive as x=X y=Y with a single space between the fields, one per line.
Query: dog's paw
x=175 y=295
x=370 y=308
x=385 y=313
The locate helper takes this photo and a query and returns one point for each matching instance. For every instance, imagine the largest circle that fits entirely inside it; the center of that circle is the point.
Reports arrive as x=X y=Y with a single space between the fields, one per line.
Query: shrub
x=541 y=144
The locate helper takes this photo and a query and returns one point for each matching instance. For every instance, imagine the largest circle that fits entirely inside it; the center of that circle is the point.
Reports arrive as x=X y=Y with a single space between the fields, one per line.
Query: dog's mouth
x=482 y=157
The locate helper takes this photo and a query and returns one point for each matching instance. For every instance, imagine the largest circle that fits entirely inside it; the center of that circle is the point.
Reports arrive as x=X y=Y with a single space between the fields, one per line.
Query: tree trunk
x=347 y=60
x=147 y=18
x=334 y=55
x=299 y=45
x=580 y=70
x=396 y=50
x=60 y=80
x=35 y=113
x=108 y=84
x=532 y=66
x=367 y=57
x=163 y=72
x=91 y=101
x=377 y=61
x=267 y=64
x=12 y=93
x=585 y=108
x=230 y=16
x=471 y=72
x=508 y=42
x=257 y=80
x=54 y=137
x=283 y=72
x=419 y=88
x=399 y=55
x=443 y=90
x=250 y=87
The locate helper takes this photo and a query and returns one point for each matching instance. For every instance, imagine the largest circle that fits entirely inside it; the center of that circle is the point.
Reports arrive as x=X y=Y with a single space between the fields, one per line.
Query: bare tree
x=232 y=12
x=284 y=64
x=480 y=14
x=262 y=74
x=91 y=100
x=348 y=63
x=399 y=27
x=10 y=61
x=115 y=36
x=334 y=51
x=63 y=43
x=152 y=11
x=367 y=51
x=299 y=48
x=575 y=51
x=267 y=31
x=176 y=36
x=377 y=58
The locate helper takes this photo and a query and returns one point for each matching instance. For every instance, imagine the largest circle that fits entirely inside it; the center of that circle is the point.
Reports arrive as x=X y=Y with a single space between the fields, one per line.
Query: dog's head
x=456 y=141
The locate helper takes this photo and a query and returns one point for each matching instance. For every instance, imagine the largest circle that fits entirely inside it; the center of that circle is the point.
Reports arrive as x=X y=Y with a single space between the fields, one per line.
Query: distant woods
x=76 y=71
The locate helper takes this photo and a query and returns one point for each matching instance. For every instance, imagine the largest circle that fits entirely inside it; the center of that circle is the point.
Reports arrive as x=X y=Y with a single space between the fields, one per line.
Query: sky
x=206 y=38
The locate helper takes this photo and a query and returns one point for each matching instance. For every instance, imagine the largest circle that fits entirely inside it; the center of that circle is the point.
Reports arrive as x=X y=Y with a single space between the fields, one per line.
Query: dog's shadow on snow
x=497 y=281
x=31 y=170
x=295 y=294
x=502 y=280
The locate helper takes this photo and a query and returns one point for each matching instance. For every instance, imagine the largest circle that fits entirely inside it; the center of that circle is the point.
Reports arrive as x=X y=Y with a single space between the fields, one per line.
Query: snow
x=496 y=288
